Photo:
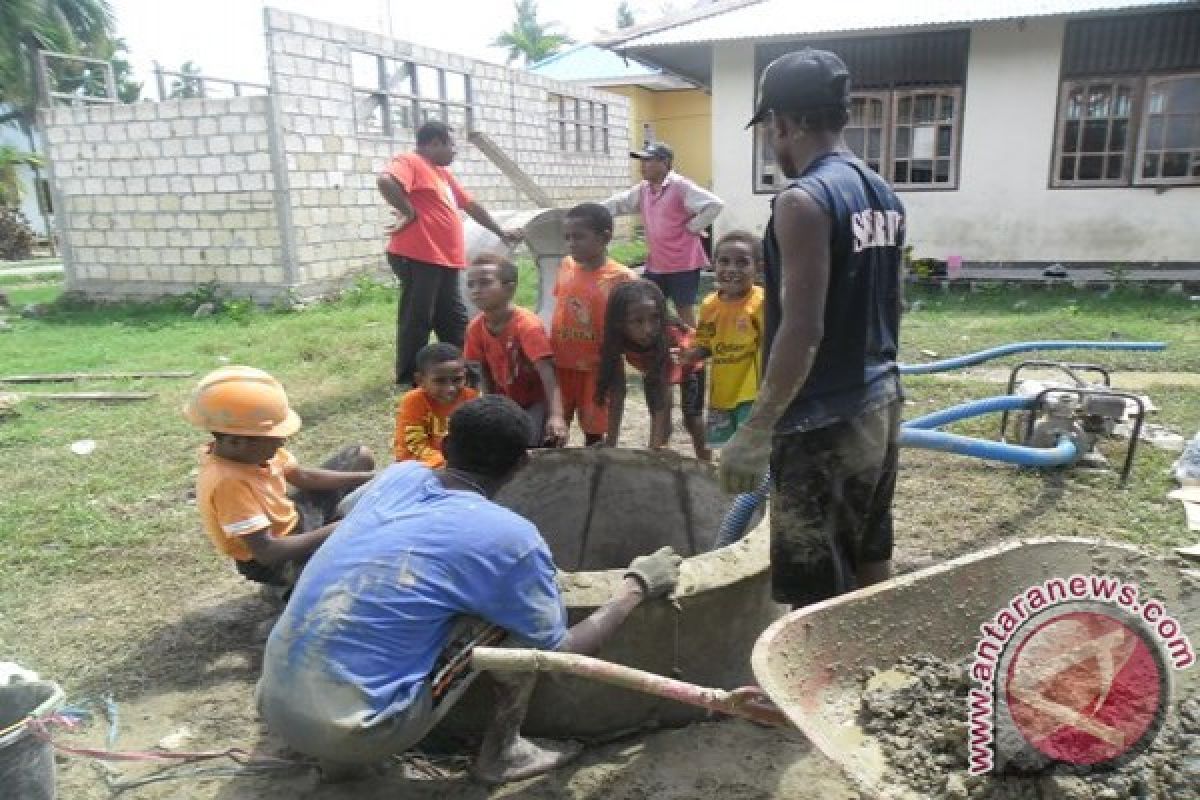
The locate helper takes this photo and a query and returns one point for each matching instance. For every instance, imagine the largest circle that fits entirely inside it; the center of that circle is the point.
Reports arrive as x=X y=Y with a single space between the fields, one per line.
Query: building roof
x=755 y=19
x=595 y=66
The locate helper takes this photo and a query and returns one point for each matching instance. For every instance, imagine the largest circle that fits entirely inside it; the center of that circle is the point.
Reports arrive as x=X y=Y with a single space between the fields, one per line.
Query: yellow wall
x=682 y=119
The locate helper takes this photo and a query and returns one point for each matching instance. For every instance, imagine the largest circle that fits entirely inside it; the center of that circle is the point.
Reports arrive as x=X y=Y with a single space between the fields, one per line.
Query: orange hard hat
x=242 y=401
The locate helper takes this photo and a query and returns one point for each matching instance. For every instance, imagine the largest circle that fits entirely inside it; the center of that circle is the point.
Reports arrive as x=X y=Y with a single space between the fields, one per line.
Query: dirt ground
x=180 y=653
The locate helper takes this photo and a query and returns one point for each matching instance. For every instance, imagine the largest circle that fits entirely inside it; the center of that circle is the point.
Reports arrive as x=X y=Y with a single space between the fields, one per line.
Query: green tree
x=90 y=80
x=625 y=15
x=529 y=38
x=67 y=26
x=187 y=83
x=10 y=184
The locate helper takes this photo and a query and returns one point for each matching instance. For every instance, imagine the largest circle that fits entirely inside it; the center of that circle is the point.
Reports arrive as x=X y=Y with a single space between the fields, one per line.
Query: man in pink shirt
x=675 y=211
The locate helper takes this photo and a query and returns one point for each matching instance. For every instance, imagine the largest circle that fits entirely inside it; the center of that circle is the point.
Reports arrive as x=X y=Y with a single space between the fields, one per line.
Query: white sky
x=225 y=37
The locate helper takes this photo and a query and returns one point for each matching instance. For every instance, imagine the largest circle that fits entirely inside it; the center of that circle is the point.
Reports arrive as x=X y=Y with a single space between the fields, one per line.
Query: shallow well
x=598 y=509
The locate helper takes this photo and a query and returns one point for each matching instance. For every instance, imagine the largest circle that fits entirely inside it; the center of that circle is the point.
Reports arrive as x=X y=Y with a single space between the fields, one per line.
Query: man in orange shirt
x=427 y=248
x=242 y=487
x=586 y=277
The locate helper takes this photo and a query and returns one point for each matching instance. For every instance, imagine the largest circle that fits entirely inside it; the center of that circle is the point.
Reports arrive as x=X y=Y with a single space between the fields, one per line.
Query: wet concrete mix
x=922 y=730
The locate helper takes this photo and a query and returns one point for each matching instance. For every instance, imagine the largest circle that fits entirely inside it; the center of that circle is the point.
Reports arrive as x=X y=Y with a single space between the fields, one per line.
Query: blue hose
x=1063 y=453
x=971 y=359
x=975 y=408
x=737 y=519
x=918 y=432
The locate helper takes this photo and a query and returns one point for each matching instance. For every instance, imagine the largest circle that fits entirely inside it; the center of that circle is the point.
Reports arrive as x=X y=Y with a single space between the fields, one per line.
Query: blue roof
x=587 y=62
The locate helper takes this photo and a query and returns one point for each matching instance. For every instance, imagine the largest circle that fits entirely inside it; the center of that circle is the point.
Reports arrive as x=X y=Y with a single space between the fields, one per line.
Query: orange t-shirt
x=577 y=328
x=238 y=499
x=436 y=236
x=421 y=426
x=510 y=355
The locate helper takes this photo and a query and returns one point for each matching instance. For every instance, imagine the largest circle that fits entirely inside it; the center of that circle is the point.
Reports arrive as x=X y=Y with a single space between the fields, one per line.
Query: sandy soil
x=179 y=650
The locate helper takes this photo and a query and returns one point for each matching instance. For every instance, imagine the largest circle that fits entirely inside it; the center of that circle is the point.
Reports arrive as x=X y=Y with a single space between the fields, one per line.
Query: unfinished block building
x=274 y=195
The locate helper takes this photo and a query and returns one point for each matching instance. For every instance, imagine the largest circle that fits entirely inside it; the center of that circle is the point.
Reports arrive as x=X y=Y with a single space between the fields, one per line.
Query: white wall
x=732 y=142
x=1003 y=209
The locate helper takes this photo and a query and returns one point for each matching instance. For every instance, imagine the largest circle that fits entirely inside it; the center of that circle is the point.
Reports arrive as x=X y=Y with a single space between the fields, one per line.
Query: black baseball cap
x=805 y=80
x=658 y=150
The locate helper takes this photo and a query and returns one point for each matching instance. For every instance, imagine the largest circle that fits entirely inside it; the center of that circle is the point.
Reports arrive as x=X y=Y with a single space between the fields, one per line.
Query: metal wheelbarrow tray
x=810 y=662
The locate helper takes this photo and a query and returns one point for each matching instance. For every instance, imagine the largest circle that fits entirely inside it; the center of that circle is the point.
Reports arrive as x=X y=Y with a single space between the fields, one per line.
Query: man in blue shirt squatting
x=425 y=563
x=828 y=413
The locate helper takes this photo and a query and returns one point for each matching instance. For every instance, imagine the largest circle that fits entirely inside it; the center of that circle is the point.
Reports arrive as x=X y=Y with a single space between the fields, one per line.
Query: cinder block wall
x=157 y=198
x=335 y=209
x=275 y=195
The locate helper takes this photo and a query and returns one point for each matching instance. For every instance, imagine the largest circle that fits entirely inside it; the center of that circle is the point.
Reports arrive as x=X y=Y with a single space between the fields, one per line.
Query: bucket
x=26 y=762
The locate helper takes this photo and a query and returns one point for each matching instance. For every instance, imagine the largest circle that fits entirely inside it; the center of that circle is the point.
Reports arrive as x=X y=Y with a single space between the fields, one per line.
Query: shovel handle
x=748 y=702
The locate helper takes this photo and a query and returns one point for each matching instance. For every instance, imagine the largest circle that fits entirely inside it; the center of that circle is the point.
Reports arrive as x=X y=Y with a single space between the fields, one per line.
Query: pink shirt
x=673 y=216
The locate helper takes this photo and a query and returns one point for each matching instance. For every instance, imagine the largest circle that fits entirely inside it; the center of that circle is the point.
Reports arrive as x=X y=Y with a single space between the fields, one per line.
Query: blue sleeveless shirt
x=855 y=367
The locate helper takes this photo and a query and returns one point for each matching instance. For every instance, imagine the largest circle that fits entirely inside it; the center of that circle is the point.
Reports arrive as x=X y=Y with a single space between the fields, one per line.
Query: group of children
x=269 y=514
x=604 y=318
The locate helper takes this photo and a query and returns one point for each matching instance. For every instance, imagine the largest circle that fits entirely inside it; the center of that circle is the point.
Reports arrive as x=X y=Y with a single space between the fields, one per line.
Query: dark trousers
x=430 y=300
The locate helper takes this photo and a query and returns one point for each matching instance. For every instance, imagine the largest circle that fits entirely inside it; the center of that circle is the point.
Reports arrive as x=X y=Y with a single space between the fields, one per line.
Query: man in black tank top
x=828 y=412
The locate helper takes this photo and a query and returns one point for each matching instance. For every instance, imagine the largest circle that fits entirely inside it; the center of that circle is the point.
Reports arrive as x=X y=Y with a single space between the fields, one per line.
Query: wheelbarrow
x=810 y=662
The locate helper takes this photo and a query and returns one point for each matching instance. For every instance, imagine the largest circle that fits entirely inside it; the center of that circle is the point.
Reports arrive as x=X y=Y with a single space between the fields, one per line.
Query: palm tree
x=10 y=185
x=625 y=15
x=68 y=26
x=529 y=38
x=189 y=83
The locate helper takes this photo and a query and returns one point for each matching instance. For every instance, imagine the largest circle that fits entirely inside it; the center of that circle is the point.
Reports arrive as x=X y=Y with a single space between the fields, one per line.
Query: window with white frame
x=909 y=137
x=577 y=125
x=905 y=114
x=393 y=95
x=1129 y=112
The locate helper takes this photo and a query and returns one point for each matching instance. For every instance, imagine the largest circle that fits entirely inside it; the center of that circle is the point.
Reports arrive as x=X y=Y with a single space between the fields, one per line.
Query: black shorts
x=831 y=504
x=681 y=288
x=691 y=394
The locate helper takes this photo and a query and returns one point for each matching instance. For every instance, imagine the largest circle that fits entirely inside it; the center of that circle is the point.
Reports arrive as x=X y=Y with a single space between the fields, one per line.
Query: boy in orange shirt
x=513 y=350
x=422 y=414
x=586 y=277
x=242 y=487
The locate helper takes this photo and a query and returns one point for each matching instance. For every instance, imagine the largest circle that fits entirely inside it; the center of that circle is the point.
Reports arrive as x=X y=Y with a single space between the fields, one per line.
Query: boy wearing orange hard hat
x=242 y=488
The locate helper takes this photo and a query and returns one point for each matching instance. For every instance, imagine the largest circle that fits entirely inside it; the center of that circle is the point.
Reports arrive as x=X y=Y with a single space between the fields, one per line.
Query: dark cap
x=658 y=150
x=806 y=80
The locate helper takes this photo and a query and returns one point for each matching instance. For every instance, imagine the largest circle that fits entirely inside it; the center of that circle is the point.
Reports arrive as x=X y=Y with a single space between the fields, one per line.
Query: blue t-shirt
x=375 y=604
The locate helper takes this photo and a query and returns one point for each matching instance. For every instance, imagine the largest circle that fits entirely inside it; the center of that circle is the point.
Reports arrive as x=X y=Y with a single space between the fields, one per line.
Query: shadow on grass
x=1050 y=494
x=207 y=646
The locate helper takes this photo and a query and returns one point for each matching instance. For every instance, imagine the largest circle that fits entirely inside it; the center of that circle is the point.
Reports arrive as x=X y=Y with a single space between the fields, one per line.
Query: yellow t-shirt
x=237 y=499
x=732 y=332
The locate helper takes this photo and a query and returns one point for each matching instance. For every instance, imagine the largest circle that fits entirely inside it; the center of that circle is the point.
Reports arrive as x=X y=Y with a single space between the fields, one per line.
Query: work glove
x=744 y=459
x=658 y=572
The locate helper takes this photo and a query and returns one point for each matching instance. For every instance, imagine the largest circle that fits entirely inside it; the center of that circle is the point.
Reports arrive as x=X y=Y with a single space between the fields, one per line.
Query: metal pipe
x=971 y=359
x=1064 y=453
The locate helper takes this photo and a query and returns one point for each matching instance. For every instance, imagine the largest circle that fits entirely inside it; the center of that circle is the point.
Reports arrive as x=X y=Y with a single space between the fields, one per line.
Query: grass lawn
x=95 y=541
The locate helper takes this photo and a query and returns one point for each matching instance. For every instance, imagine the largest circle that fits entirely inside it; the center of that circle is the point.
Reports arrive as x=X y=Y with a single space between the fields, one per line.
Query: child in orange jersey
x=513 y=350
x=421 y=416
x=586 y=277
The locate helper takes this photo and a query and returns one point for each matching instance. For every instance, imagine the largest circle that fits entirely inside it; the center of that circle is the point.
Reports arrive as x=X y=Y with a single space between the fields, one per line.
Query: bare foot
x=526 y=758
